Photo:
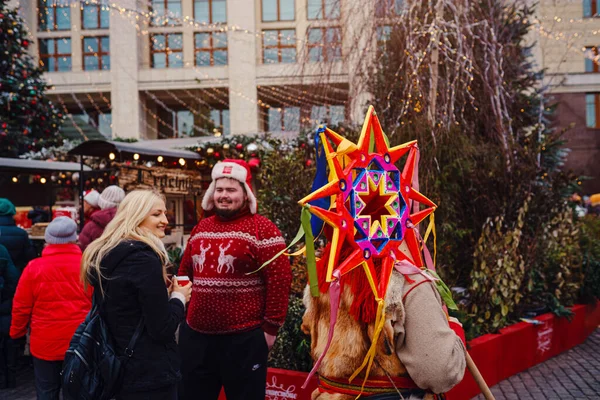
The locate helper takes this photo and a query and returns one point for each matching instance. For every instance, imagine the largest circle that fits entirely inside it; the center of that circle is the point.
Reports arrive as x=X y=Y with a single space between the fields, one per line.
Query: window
x=105 y=124
x=592 y=110
x=55 y=54
x=284 y=119
x=388 y=8
x=324 y=44
x=329 y=114
x=95 y=16
x=278 y=10
x=211 y=48
x=324 y=9
x=185 y=123
x=166 y=12
x=210 y=11
x=96 y=53
x=279 y=46
x=591 y=59
x=590 y=8
x=383 y=36
x=54 y=15
x=166 y=50
x=221 y=120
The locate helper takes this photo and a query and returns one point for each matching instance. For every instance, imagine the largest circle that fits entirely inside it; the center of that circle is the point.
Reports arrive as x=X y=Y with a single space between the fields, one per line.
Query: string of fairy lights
x=276 y=97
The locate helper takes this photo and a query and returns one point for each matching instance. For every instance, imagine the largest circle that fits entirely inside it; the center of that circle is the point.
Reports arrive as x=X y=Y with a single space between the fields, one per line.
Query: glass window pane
x=334 y=53
x=63 y=18
x=104 y=122
x=105 y=44
x=64 y=63
x=175 y=42
x=174 y=12
x=220 y=57
x=104 y=17
x=90 y=63
x=587 y=8
x=590 y=110
x=50 y=64
x=105 y=62
x=202 y=40
x=399 y=6
x=270 y=56
x=159 y=60
x=203 y=58
x=291 y=120
x=269 y=10
x=225 y=115
x=315 y=9
x=288 y=37
x=219 y=11
x=336 y=114
x=333 y=35
x=318 y=114
x=90 y=18
x=46 y=16
x=63 y=46
x=589 y=64
x=158 y=42
x=215 y=117
x=90 y=45
x=286 y=10
x=270 y=38
x=315 y=54
x=46 y=46
x=175 y=60
x=288 y=55
x=201 y=11
x=185 y=123
x=332 y=9
x=158 y=12
x=220 y=40
x=274 y=120
x=315 y=36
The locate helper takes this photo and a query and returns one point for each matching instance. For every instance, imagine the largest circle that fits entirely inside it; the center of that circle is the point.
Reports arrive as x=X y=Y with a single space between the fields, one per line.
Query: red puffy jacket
x=94 y=228
x=50 y=298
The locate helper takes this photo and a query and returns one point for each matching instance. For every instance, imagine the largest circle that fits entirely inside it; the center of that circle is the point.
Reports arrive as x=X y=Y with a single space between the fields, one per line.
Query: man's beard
x=229 y=212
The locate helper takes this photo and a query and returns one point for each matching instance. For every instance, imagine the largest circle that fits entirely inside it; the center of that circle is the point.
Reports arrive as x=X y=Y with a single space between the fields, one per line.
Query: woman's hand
x=186 y=290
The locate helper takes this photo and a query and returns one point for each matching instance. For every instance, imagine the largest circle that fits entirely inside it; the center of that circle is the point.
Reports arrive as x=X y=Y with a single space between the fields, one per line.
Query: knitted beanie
x=7 y=207
x=234 y=169
x=60 y=231
x=92 y=198
x=111 y=197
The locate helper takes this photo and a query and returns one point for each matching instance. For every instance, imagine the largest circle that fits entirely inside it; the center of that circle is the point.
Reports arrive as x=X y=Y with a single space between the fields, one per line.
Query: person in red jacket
x=108 y=202
x=52 y=302
x=234 y=313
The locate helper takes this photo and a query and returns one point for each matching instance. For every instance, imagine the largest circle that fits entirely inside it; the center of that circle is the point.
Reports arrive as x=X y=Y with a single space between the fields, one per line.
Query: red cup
x=183 y=280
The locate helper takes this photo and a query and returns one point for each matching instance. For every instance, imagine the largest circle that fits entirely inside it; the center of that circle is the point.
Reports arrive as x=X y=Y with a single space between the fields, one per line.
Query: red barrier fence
x=498 y=356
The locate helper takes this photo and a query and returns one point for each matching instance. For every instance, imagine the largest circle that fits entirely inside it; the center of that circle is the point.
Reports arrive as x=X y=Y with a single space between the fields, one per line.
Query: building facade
x=151 y=69
x=568 y=36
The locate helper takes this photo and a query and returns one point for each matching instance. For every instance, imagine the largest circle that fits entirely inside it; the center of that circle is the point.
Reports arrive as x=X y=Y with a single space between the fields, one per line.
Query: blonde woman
x=126 y=267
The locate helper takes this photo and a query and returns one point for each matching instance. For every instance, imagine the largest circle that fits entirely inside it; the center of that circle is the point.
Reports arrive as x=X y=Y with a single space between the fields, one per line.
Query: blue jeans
x=47 y=378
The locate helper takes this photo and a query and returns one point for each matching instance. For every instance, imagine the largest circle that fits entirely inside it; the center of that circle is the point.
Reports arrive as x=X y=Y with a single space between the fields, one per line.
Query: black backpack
x=92 y=370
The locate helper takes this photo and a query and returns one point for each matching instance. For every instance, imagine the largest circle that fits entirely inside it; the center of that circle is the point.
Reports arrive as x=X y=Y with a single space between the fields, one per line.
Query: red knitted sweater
x=218 y=258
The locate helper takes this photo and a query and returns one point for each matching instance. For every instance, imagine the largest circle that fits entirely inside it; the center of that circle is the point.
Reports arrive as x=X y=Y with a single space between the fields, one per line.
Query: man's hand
x=270 y=340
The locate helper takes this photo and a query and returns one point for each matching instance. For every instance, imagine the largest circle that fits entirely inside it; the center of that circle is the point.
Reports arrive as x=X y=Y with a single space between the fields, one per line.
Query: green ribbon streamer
x=444 y=291
x=311 y=262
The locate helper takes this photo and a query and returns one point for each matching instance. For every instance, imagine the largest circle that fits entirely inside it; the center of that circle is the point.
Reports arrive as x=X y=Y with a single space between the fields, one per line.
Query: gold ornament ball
x=226 y=146
x=210 y=150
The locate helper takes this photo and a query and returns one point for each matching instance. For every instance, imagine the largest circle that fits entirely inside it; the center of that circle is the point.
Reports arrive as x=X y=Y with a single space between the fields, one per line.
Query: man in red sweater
x=235 y=313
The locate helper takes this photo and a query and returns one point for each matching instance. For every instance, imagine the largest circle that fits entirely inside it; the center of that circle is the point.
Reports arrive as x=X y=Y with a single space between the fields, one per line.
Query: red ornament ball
x=239 y=146
x=308 y=163
x=254 y=162
x=25 y=43
x=217 y=154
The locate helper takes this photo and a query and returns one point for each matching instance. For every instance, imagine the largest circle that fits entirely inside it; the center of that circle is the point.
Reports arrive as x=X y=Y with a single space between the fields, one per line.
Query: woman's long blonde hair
x=132 y=211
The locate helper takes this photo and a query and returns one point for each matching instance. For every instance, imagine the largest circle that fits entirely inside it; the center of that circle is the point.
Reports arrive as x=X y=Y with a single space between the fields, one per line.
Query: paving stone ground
x=574 y=374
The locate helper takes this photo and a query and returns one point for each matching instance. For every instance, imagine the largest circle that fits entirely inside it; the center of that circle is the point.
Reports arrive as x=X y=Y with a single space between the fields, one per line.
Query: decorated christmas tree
x=28 y=119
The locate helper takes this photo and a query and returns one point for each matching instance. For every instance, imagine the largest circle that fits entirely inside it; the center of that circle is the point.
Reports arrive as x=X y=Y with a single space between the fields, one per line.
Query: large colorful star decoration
x=370 y=210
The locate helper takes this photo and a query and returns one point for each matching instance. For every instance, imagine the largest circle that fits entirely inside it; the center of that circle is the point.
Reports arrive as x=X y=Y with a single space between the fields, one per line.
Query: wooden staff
x=485 y=390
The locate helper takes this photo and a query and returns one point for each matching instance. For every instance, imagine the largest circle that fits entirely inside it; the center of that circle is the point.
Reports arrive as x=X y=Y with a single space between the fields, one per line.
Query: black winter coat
x=134 y=288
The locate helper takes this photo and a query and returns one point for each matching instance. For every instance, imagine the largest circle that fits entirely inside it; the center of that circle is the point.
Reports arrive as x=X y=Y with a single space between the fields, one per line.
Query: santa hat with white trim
x=234 y=169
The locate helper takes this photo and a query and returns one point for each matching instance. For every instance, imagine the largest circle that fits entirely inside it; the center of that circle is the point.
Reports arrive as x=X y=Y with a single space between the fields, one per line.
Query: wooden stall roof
x=102 y=148
x=22 y=165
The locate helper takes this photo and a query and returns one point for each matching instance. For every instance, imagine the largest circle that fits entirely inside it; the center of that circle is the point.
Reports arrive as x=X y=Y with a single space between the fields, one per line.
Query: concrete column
x=76 y=38
x=187 y=9
x=358 y=28
x=242 y=71
x=126 y=106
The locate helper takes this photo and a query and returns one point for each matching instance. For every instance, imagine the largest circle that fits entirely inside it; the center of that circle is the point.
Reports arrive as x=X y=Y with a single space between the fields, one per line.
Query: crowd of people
x=197 y=338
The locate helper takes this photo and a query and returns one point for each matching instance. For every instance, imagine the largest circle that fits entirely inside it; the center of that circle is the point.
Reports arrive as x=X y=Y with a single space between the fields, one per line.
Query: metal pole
x=81 y=187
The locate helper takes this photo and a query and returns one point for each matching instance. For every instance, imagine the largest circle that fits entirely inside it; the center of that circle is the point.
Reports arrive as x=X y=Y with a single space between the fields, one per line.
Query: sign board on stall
x=167 y=180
